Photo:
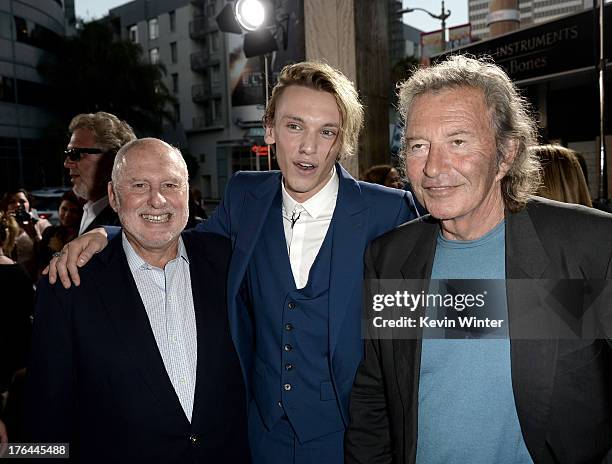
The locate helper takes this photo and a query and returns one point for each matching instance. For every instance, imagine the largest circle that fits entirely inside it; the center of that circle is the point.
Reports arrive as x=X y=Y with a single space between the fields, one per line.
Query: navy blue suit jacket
x=363 y=212
x=97 y=380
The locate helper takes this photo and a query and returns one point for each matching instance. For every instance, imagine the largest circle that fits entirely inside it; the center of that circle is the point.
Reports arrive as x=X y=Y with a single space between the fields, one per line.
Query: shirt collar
x=136 y=262
x=96 y=207
x=322 y=202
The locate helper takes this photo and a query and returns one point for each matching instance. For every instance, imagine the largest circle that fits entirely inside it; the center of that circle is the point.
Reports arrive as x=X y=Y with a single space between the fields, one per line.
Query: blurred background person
x=55 y=237
x=94 y=141
x=197 y=213
x=562 y=176
x=17 y=203
x=384 y=174
x=17 y=302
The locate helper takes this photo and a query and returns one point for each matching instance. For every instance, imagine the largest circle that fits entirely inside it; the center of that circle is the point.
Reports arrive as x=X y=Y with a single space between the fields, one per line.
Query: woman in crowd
x=55 y=237
x=384 y=174
x=562 y=177
x=17 y=204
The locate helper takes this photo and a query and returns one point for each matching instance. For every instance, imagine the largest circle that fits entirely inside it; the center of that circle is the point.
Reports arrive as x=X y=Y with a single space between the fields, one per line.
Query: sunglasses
x=75 y=154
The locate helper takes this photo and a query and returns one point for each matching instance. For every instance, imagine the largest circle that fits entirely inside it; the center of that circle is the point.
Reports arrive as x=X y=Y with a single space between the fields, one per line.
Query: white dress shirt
x=90 y=210
x=168 y=301
x=306 y=225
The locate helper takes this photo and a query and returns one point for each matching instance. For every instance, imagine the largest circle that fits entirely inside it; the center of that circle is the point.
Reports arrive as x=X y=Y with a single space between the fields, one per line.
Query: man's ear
x=511 y=150
x=269 y=136
x=112 y=198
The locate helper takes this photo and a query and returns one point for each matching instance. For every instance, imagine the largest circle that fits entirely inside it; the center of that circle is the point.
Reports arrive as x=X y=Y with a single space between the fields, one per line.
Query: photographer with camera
x=17 y=204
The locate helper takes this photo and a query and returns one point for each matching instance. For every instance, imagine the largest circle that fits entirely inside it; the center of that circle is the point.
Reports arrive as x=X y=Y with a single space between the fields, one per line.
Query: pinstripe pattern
x=168 y=301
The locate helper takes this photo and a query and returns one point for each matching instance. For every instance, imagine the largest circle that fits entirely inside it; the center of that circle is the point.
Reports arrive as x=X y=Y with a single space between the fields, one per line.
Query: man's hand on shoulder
x=75 y=254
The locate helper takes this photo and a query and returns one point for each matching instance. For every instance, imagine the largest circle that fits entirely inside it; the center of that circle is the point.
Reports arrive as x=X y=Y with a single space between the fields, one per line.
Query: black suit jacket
x=107 y=217
x=562 y=388
x=97 y=380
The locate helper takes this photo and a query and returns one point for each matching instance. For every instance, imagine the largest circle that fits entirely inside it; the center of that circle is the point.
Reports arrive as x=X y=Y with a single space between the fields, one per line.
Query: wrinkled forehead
x=152 y=163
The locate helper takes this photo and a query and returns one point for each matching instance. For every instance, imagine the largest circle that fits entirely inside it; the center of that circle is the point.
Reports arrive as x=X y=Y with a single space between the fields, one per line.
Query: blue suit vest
x=291 y=371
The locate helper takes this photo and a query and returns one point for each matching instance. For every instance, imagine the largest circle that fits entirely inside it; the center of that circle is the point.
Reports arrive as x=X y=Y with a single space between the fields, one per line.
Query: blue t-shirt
x=466 y=409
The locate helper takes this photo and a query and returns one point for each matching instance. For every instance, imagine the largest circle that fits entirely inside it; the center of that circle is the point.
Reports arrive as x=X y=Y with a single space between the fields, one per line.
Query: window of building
x=211 y=7
x=153 y=29
x=133 y=33
x=154 y=55
x=173 y=52
x=215 y=75
x=172 y=18
x=214 y=41
x=175 y=82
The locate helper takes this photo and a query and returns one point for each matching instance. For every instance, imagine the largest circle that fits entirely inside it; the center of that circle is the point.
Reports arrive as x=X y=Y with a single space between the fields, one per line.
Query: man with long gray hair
x=513 y=390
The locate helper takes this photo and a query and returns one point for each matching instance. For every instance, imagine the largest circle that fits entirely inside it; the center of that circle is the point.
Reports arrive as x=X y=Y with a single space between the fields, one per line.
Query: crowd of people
x=240 y=337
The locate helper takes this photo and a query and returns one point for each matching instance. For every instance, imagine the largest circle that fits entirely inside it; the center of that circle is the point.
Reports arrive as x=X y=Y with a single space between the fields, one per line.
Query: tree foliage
x=93 y=72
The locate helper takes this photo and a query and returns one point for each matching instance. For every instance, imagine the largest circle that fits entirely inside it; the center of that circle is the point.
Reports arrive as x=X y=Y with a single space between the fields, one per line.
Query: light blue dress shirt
x=168 y=301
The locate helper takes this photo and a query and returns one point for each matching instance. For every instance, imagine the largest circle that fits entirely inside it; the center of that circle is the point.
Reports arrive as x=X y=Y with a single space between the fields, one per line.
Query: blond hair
x=562 y=176
x=320 y=76
x=9 y=230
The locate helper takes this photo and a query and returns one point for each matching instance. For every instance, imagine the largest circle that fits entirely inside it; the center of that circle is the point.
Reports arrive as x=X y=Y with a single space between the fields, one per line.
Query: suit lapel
x=119 y=294
x=348 y=243
x=254 y=213
x=107 y=217
x=200 y=275
x=416 y=270
x=526 y=258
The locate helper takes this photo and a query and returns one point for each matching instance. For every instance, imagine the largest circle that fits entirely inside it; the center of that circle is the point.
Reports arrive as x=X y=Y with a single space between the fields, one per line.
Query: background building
x=531 y=12
x=29 y=29
x=219 y=93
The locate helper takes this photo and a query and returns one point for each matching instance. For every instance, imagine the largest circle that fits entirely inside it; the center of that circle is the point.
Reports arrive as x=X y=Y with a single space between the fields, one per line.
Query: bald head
x=149 y=145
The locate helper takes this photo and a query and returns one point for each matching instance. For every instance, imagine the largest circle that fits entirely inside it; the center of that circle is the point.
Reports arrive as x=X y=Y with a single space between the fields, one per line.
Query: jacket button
x=291 y=305
x=287 y=386
x=288 y=347
x=288 y=327
x=289 y=366
x=193 y=439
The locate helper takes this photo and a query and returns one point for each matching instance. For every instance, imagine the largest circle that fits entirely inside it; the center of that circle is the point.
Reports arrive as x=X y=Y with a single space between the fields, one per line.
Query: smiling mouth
x=156 y=218
x=305 y=166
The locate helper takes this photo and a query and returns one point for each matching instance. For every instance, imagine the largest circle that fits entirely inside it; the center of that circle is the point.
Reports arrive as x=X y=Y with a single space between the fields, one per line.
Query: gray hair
x=120 y=158
x=510 y=116
x=110 y=132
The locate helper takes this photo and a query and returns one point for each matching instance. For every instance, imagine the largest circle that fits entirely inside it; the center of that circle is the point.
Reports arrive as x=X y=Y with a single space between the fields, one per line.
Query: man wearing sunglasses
x=95 y=139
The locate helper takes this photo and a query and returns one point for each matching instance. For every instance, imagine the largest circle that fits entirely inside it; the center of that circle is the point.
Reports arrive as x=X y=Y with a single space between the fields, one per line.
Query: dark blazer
x=363 y=211
x=562 y=388
x=97 y=380
x=107 y=217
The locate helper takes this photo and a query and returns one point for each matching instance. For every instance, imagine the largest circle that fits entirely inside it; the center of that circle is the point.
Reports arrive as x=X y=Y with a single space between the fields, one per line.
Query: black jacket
x=562 y=388
x=97 y=380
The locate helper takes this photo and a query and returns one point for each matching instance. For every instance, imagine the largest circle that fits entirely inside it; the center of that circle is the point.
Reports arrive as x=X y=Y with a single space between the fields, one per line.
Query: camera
x=24 y=217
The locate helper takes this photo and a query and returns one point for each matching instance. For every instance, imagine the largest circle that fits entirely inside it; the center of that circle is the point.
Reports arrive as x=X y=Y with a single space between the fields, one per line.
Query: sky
x=93 y=9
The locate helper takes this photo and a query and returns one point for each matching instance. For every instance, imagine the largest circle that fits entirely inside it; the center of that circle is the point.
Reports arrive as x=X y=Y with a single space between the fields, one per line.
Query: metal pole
x=443 y=17
x=16 y=93
x=603 y=168
x=266 y=84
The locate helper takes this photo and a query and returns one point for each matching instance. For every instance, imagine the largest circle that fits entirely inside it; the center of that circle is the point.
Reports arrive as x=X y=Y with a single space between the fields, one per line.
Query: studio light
x=250 y=14
x=226 y=20
x=258 y=43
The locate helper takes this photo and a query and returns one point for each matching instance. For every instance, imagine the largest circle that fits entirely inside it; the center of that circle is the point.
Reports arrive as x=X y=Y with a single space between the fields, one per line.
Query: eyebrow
x=298 y=119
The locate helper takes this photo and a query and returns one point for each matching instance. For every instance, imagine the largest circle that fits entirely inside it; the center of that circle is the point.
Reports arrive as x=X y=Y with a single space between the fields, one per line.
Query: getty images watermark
x=516 y=308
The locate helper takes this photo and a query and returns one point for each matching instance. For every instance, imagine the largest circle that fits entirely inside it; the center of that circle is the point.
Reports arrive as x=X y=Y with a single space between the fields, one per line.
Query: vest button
x=288 y=366
x=287 y=386
x=287 y=347
x=288 y=327
x=193 y=439
x=291 y=305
